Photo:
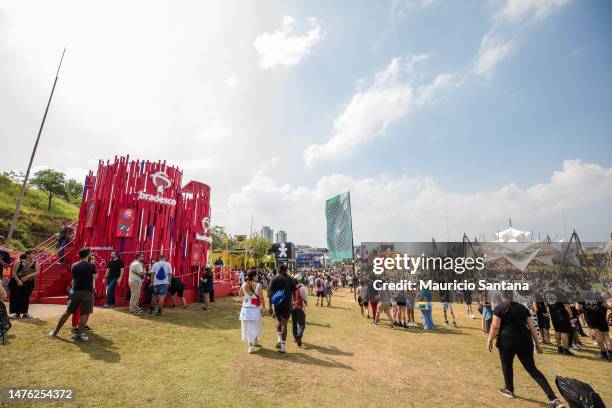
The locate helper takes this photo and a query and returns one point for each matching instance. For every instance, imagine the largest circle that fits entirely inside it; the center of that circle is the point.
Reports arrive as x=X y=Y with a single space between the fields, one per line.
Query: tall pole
x=27 y=175
x=352 y=245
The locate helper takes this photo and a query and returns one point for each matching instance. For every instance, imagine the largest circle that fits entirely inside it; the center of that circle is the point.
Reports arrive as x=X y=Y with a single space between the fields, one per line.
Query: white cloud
x=370 y=112
x=427 y=93
x=284 y=47
x=493 y=49
x=520 y=10
x=399 y=8
x=232 y=82
x=408 y=208
x=502 y=38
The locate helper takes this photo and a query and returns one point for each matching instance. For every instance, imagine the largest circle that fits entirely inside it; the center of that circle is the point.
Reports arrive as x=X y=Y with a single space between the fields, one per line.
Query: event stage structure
x=139 y=206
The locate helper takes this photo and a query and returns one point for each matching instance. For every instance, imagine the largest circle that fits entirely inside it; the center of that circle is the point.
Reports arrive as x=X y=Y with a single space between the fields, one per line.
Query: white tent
x=512 y=235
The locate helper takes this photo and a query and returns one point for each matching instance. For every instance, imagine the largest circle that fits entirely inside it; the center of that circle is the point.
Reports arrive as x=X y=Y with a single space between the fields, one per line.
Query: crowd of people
x=517 y=328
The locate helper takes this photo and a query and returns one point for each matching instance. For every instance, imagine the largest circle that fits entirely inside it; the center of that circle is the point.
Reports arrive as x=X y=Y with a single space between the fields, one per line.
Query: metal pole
x=352 y=245
x=27 y=175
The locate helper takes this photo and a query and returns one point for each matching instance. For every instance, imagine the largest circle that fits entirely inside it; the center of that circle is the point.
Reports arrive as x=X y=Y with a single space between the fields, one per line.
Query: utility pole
x=27 y=175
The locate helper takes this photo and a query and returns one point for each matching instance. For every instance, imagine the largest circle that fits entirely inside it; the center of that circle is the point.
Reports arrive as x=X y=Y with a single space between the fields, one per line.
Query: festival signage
x=125 y=223
x=160 y=182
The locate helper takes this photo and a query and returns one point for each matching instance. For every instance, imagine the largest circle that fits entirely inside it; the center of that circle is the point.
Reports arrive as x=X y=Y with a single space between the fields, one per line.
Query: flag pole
x=27 y=175
x=352 y=244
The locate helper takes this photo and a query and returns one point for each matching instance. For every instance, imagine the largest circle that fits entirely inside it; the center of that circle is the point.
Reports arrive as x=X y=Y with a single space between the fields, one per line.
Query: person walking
x=298 y=313
x=162 y=273
x=206 y=287
x=384 y=305
x=320 y=289
x=425 y=307
x=177 y=288
x=447 y=305
x=515 y=334
x=81 y=295
x=362 y=299
x=251 y=313
x=112 y=277
x=135 y=279
x=63 y=237
x=21 y=284
x=281 y=302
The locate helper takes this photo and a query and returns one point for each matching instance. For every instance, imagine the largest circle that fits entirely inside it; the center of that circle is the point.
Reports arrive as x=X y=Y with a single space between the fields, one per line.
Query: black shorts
x=362 y=302
x=282 y=311
x=598 y=322
x=400 y=303
x=175 y=290
x=82 y=298
x=543 y=321
x=561 y=324
x=321 y=294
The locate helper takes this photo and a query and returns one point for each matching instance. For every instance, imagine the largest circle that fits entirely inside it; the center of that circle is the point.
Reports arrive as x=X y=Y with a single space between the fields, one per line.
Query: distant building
x=267 y=233
x=281 y=236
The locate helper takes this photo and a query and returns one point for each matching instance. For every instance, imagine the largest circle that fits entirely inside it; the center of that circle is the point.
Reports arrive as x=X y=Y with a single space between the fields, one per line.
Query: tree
x=259 y=247
x=51 y=182
x=74 y=191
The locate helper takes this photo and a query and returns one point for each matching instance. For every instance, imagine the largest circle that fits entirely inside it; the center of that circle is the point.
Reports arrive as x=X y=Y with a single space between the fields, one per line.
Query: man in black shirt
x=114 y=275
x=5 y=258
x=280 y=294
x=81 y=295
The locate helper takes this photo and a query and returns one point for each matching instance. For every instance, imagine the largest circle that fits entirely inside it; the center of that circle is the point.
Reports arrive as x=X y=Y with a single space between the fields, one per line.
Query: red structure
x=141 y=206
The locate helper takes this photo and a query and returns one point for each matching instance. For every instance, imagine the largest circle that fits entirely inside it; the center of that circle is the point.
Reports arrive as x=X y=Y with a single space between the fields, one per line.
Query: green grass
x=35 y=222
x=196 y=359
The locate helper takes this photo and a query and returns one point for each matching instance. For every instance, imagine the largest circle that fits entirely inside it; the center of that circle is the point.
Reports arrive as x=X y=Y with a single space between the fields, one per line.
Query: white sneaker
x=250 y=350
x=52 y=333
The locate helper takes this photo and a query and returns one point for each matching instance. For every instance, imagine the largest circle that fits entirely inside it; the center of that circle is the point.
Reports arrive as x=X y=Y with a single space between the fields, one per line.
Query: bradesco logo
x=161 y=181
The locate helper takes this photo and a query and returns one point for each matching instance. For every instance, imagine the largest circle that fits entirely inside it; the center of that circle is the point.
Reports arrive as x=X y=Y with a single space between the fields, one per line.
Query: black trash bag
x=578 y=394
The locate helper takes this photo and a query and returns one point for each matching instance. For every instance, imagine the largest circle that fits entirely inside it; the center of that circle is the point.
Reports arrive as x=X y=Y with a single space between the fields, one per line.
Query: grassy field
x=194 y=359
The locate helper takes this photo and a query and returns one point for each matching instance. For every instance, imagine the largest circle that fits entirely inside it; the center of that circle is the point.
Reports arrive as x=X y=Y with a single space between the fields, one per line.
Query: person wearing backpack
x=162 y=273
x=281 y=301
x=298 y=314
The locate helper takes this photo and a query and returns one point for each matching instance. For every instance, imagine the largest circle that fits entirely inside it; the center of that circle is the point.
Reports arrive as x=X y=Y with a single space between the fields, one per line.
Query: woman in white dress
x=251 y=314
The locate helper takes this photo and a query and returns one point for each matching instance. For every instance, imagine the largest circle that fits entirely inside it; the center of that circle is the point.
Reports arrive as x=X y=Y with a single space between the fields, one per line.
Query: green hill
x=35 y=223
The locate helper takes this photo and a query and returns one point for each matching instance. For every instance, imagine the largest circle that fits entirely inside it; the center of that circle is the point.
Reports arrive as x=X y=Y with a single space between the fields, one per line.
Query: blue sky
x=426 y=110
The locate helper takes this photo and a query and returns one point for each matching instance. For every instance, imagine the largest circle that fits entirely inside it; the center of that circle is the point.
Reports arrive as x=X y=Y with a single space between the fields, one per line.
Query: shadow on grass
x=326 y=350
x=533 y=401
x=334 y=307
x=326 y=325
x=33 y=320
x=98 y=348
x=7 y=339
x=301 y=358
x=222 y=317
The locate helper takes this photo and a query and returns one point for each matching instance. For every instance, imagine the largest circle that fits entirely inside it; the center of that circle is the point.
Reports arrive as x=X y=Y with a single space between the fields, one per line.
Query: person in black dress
x=516 y=335
x=21 y=284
